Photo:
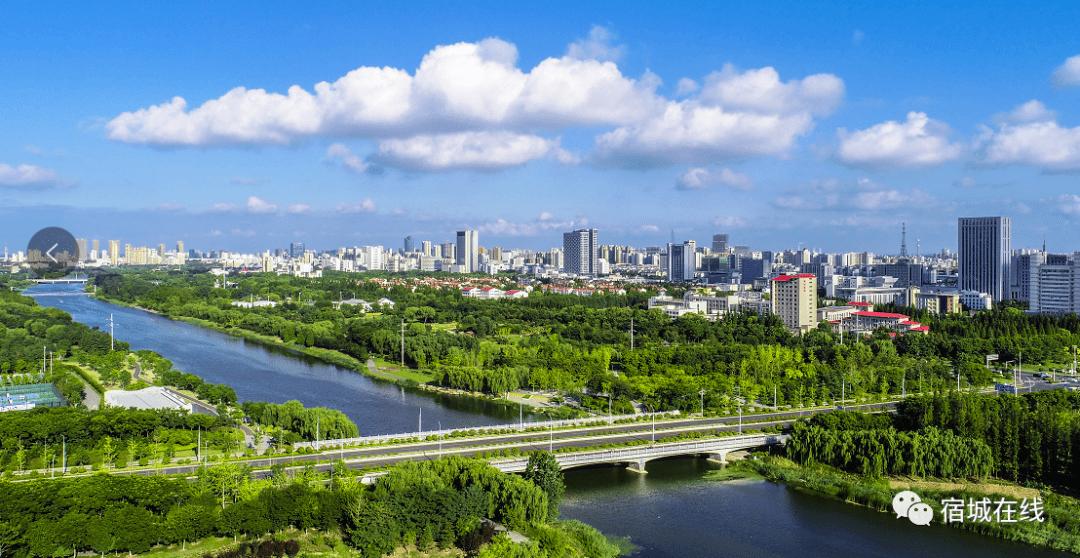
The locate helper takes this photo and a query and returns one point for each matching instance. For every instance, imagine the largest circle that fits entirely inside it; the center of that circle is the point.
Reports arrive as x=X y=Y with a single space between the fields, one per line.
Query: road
x=377 y=456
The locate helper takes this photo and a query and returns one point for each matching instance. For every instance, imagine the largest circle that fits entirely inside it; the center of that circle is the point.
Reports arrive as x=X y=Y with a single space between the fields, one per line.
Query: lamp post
x=702 y=394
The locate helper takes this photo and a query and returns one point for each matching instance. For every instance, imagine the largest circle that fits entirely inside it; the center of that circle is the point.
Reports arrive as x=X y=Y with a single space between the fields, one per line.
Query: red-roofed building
x=794 y=300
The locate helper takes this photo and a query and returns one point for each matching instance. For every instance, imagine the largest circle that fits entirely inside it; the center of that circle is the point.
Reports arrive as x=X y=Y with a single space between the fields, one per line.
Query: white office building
x=985 y=255
x=579 y=252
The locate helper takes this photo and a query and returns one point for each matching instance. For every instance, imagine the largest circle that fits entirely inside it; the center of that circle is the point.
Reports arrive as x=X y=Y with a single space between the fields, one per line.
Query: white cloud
x=243 y=232
x=468 y=106
x=762 y=91
x=597 y=47
x=467 y=150
x=1031 y=111
x=699 y=178
x=215 y=233
x=966 y=182
x=689 y=132
x=366 y=206
x=463 y=86
x=247 y=181
x=648 y=229
x=1042 y=144
x=919 y=142
x=257 y=205
x=350 y=160
x=299 y=208
x=545 y=216
x=728 y=221
x=1068 y=204
x=864 y=195
x=30 y=177
x=1068 y=74
x=503 y=227
x=223 y=207
x=686 y=86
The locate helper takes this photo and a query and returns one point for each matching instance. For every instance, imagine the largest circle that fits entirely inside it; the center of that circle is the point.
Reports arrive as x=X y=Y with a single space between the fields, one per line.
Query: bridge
x=635 y=458
x=56 y=294
x=63 y=280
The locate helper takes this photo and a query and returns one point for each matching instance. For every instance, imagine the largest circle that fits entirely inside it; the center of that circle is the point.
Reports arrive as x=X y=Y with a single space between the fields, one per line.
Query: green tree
x=9 y=537
x=544 y=471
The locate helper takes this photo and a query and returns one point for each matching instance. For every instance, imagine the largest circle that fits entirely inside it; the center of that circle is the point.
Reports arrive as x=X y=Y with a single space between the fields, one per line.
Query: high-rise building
x=161 y=250
x=127 y=254
x=97 y=248
x=719 y=244
x=985 y=253
x=681 y=261
x=1055 y=284
x=179 y=246
x=794 y=301
x=114 y=252
x=409 y=244
x=83 y=255
x=467 y=253
x=579 y=252
x=296 y=250
x=373 y=257
x=425 y=247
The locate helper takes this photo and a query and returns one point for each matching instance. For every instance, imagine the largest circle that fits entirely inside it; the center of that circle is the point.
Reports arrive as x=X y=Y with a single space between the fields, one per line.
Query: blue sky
x=814 y=125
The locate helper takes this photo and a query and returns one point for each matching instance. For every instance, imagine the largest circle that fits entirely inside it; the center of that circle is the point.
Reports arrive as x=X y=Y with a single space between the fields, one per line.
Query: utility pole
x=63 y=463
x=551 y=439
x=402 y=342
x=702 y=394
x=440 y=439
x=632 y=334
x=112 y=338
x=318 y=430
x=420 y=422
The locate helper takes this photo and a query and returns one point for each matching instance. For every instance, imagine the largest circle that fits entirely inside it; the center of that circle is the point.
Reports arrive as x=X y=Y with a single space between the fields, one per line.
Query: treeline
x=306 y=423
x=439 y=502
x=580 y=344
x=1033 y=438
x=878 y=452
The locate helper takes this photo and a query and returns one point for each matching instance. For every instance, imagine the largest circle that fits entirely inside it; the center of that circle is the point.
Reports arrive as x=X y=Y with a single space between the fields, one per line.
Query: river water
x=262 y=373
x=674 y=512
x=670 y=512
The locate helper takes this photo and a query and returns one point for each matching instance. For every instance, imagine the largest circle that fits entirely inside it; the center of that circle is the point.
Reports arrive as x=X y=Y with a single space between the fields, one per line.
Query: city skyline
x=808 y=125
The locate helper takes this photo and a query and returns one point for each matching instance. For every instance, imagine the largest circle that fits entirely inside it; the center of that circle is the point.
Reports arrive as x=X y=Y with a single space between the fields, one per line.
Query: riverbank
x=1059 y=531
x=374 y=368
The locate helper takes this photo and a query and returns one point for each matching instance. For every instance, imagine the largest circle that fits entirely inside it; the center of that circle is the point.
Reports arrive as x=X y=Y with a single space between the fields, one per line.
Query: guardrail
x=653 y=451
x=517 y=426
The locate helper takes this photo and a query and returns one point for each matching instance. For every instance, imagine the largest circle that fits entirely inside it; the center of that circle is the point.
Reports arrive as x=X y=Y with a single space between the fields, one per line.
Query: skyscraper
x=467 y=244
x=114 y=252
x=720 y=243
x=985 y=254
x=81 y=243
x=681 y=261
x=425 y=247
x=296 y=250
x=409 y=245
x=96 y=248
x=579 y=252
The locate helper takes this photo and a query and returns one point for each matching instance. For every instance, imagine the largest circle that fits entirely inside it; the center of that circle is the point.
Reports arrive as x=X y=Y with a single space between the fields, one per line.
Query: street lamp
x=702 y=394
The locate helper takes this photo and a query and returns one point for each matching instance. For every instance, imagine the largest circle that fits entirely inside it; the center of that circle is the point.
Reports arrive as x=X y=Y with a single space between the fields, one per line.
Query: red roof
x=512 y=292
x=909 y=322
x=790 y=277
x=923 y=328
x=859 y=304
x=882 y=315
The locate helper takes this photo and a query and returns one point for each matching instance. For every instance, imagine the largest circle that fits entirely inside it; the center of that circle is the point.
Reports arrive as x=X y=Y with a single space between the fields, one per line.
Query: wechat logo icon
x=908 y=504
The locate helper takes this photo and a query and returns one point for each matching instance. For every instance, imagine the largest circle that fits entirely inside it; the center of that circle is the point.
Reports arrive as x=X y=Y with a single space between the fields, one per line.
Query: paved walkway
x=91 y=398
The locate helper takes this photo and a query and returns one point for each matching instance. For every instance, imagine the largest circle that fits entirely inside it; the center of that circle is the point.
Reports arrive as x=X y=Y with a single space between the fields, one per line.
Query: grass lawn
x=395 y=369
x=196 y=548
x=444 y=327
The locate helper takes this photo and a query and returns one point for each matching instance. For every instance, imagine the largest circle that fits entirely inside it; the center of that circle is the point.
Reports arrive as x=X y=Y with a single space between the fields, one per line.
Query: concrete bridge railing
x=636 y=457
x=514 y=426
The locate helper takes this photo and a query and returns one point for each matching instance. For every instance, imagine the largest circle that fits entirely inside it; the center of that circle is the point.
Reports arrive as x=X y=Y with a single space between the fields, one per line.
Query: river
x=265 y=373
x=670 y=512
x=674 y=512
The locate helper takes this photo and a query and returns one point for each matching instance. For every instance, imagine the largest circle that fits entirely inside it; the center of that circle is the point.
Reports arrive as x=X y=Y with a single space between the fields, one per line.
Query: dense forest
x=1031 y=438
x=582 y=344
x=439 y=503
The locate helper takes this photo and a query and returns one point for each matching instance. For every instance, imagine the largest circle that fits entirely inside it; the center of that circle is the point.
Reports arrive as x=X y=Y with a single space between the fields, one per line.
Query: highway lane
x=375 y=456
